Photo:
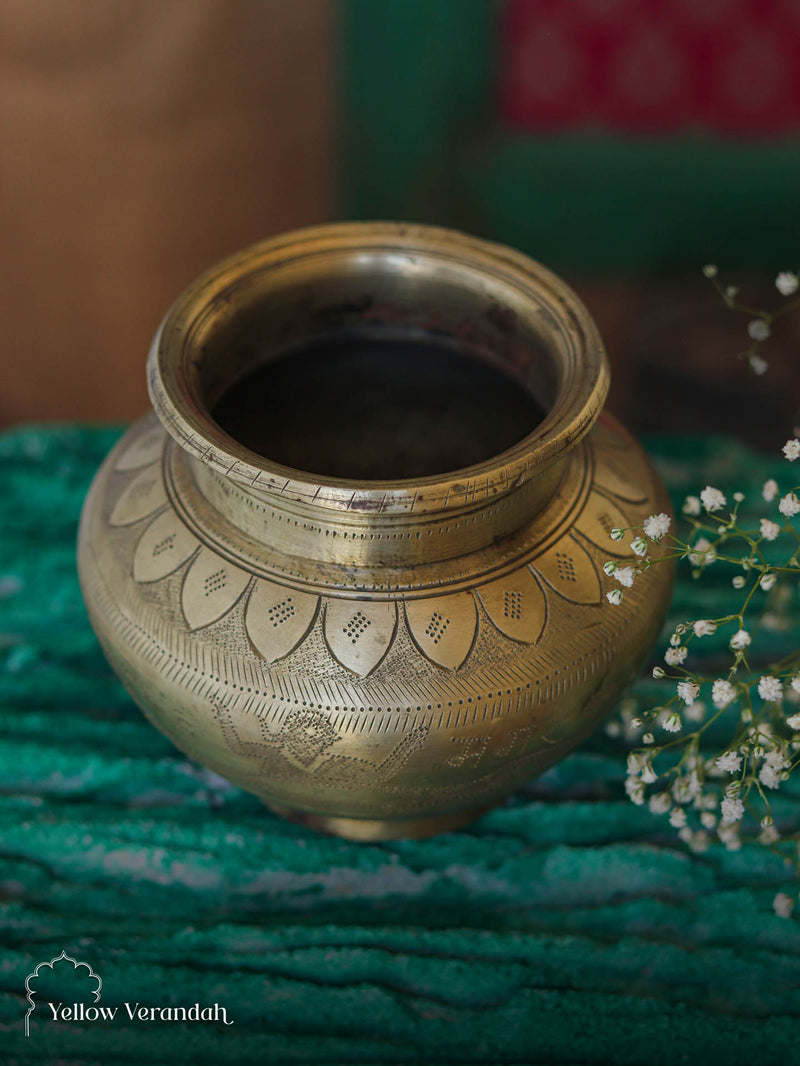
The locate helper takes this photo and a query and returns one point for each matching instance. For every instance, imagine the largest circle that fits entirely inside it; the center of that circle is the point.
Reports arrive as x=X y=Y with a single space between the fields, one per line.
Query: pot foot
x=376 y=829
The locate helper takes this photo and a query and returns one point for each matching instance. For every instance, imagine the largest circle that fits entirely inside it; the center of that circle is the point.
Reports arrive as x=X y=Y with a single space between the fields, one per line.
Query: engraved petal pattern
x=597 y=519
x=164 y=545
x=211 y=587
x=359 y=632
x=444 y=627
x=277 y=618
x=516 y=605
x=145 y=494
x=568 y=568
x=145 y=449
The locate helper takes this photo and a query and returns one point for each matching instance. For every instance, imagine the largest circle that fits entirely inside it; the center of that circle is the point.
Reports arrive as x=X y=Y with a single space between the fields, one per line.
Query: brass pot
x=389 y=646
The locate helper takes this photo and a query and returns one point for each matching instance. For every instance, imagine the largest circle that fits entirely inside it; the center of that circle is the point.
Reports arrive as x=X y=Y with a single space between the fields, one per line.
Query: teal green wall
x=420 y=140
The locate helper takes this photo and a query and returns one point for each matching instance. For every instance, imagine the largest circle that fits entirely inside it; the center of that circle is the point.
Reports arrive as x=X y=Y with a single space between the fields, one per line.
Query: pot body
x=385 y=660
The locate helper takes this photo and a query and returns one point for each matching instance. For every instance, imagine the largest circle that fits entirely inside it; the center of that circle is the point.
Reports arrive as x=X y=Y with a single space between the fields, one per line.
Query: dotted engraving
x=513 y=604
x=437 y=626
x=214 y=582
x=356 y=627
x=606 y=521
x=164 y=545
x=566 y=567
x=282 y=612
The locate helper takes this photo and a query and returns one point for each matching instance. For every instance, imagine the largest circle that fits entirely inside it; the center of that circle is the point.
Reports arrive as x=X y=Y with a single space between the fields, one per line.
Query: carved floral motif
x=360 y=633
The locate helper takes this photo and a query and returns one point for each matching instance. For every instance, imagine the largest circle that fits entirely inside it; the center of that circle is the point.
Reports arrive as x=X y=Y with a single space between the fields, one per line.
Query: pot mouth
x=429 y=292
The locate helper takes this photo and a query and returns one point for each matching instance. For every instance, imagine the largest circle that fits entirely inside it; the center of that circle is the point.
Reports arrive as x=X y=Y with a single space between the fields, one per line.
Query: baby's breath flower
x=625 y=575
x=769 y=835
x=758 y=329
x=698 y=841
x=675 y=640
x=648 y=738
x=660 y=802
x=617 y=533
x=609 y=567
x=783 y=905
x=709 y=270
x=704 y=627
x=636 y=760
x=770 y=689
x=696 y=712
x=770 y=490
x=658 y=672
x=789 y=505
x=767 y=581
x=656 y=525
x=709 y=820
x=729 y=761
x=738 y=582
x=794 y=722
x=738 y=496
x=740 y=640
x=678 y=818
x=791 y=449
x=688 y=690
x=769 y=776
x=648 y=774
x=732 y=809
x=639 y=546
x=712 y=499
x=614 y=596
x=731 y=291
x=758 y=364
x=769 y=530
x=729 y=835
x=691 y=505
x=795 y=683
x=675 y=656
x=703 y=553
x=776 y=757
x=722 y=693
x=786 y=283
x=635 y=790
x=672 y=723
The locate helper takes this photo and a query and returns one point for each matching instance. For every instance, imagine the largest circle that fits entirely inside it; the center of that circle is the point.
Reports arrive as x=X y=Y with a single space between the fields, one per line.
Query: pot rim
x=173 y=376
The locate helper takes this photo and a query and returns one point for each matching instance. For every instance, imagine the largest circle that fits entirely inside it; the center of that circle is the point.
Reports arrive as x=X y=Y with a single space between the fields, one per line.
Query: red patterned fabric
x=652 y=66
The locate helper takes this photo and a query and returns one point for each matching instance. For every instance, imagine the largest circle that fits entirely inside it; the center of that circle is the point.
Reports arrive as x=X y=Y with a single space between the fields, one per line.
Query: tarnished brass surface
x=377 y=659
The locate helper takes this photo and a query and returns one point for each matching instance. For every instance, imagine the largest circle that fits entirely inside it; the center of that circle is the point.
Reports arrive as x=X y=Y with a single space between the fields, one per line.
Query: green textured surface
x=567 y=927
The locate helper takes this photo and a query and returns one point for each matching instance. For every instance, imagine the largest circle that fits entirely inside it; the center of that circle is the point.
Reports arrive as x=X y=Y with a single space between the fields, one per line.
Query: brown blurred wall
x=140 y=141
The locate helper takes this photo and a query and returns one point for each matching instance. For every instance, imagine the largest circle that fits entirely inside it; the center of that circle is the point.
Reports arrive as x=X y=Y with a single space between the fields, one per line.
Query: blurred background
x=624 y=143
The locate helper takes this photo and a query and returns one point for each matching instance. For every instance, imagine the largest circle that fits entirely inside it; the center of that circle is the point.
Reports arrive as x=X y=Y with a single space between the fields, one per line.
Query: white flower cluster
x=712 y=499
x=654 y=528
x=786 y=283
x=709 y=797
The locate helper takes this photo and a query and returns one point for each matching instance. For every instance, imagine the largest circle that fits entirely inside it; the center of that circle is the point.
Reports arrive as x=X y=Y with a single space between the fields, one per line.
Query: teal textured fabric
x=567 y=927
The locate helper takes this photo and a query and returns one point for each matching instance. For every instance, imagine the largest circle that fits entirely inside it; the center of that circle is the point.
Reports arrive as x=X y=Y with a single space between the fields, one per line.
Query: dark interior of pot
x=378 y=406
x=375 y=367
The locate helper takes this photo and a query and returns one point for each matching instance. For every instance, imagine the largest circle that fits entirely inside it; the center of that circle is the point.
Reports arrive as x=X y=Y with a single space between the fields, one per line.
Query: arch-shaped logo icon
x=30 y=982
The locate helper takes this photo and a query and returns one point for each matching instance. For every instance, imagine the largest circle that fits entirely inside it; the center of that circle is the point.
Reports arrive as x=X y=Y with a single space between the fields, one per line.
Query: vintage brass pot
x=376 y=654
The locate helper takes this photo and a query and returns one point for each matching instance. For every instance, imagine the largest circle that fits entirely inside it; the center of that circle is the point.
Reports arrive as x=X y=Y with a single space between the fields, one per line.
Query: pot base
x=375 y=830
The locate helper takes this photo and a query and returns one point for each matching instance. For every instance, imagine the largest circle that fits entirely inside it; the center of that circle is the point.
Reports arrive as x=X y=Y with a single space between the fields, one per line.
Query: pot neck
x=502 y=307
x=381 y=527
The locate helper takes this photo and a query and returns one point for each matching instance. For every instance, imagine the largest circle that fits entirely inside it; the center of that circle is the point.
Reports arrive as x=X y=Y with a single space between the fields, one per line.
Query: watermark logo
x=71 y=989
x=43 y=985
